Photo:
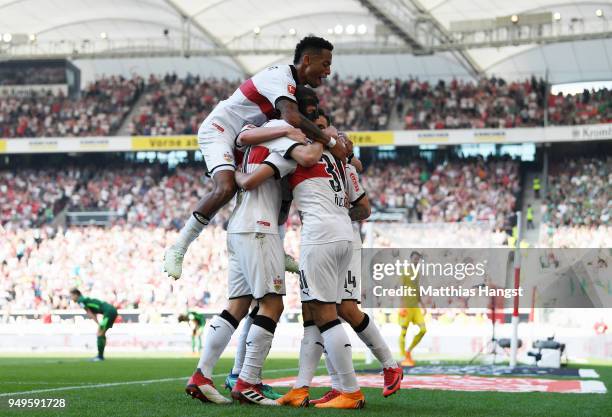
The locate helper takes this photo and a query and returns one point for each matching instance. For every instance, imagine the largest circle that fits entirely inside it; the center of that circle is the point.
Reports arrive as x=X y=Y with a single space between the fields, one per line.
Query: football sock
x=259 y=341
x=199 y=343
x=370 y=335
x=402 y=340
x=217 y=338
x=335 y=381
x=311 y=350
x=190 y=232
x=242 y=339
x=193 y=343
x=101 y=345
x=339 y=350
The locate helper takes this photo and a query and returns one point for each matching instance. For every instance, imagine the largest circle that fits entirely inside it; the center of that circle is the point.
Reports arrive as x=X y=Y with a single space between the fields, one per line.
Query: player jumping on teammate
x=268 y=94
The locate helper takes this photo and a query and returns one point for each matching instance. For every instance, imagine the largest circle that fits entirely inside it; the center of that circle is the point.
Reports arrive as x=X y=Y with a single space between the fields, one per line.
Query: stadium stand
x=175 y=106
x=99 y=111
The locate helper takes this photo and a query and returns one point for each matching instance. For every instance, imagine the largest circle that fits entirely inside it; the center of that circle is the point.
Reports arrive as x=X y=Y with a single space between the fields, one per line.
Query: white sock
x=311 y=350
x=216 y=340
x=370 y=335
x=338 y=348
x=335 y=381
x=190 y=232
x=241 y=347
x=258 y=346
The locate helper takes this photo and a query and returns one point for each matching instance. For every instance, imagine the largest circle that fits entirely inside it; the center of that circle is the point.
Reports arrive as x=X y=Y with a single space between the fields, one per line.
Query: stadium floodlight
x=32 y=37
x=103 y=35
x=557 y=16
x=514 y=19
x=292 y=31
x=338 y=29
x=330 y=31
x=256 y=30
x=7 y=37
x=599 y=13
x=350 y=30
x=362 y=29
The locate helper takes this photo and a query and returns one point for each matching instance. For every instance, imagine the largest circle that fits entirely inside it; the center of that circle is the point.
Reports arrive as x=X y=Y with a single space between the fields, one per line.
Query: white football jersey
x=320 y=193
x=254 y=102
x=355 y=193
x=257 y=210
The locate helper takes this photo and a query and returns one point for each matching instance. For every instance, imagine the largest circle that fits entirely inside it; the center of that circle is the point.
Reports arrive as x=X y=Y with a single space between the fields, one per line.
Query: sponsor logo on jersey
x=291 y=89
x=263 y=223
x=354 y=180
x=218 y=127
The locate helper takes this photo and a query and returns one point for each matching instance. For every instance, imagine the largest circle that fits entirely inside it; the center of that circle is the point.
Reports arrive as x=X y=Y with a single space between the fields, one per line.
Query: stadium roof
x=256 y=33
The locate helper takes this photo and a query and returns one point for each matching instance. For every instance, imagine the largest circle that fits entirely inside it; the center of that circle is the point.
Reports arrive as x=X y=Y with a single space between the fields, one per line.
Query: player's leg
x=220 y=330
x=106 y=323
x=199 y=337
x=262 y=260
x=101 y=341
x=403 y=319
x=218 y=336
x=419 y=320
x=369 y=334
x=332 y=262
x=311 y=349
x=230 y=381
x=217 y=149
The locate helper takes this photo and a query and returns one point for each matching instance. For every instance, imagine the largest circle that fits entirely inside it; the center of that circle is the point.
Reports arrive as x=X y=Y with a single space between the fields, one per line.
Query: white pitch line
x=115 y=384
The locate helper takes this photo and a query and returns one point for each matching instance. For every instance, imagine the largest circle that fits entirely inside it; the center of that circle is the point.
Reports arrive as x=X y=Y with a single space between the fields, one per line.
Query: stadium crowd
x=464 y=190
x=99 y=111
x=579 y=193
x=174 y=105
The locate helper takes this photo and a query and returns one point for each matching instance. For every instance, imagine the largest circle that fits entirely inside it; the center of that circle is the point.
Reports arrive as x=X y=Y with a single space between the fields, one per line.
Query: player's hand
x=331 y=131
x=240 y=179
x=297 y=135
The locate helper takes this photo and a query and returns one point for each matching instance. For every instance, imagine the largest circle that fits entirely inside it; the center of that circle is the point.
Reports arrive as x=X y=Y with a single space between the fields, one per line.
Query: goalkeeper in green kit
x=93 y=307
x=196 y=323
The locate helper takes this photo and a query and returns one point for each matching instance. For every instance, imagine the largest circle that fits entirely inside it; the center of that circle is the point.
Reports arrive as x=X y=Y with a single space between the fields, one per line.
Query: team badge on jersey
x=278 y=284
x=291 y=89
x=228 y=157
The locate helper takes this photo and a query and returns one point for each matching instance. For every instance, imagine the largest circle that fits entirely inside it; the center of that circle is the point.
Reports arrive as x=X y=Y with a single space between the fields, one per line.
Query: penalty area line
x=117 y=384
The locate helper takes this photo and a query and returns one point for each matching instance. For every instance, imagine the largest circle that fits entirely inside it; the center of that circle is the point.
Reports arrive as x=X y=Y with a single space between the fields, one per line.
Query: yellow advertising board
x=372 y=138
x=164 y=143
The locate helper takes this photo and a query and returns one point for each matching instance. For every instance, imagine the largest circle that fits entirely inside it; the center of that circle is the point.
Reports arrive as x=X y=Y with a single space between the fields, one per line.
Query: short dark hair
x=305 y=96
x=310 y=43
x=76 y=292
x=322 y=113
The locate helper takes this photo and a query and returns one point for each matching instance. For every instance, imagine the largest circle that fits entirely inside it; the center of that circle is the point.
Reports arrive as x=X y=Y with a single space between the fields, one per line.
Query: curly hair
x=308 y=44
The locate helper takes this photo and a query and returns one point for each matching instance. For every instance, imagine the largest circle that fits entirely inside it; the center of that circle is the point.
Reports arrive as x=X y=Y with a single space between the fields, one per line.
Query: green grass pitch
x=124 y=396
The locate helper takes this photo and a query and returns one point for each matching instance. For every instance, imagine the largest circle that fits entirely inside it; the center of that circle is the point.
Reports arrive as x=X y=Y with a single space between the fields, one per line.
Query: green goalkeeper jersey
x=96 y=306
x=192 y=315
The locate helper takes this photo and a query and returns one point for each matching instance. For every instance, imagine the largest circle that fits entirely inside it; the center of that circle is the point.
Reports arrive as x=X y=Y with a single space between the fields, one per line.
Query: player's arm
x=361 y=209
x=254 y=179
x=307 y=156
x=92 y=315
x=257 y=135
x=291 y=114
